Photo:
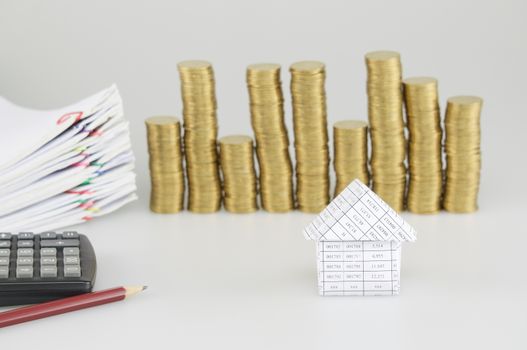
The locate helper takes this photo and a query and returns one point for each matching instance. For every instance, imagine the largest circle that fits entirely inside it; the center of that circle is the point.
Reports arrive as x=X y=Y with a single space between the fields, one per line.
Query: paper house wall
x=358 y=238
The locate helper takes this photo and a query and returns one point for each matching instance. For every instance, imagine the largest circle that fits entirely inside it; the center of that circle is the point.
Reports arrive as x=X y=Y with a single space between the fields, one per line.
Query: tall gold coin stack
x=424 y=145
x=311 y=135
x=463 y=155
x=272 y=142
x=385 y=114
x=166 y=168
x=239 y=176
x=201 y=129
x=350 y=144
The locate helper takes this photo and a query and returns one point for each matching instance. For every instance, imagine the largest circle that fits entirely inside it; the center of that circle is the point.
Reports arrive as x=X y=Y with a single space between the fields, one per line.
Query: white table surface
x=249 y=282
x=225 y=281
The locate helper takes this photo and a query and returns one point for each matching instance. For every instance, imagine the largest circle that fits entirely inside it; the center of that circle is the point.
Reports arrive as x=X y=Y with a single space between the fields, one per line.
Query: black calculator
x=41 y=267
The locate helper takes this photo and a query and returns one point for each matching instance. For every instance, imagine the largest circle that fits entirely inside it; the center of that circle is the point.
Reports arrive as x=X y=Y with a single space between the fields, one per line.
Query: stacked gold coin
x=239 y=176
x=311 y=135
x=272 y=142
x=463 y=155
x=424 y=145
x=166 y=169
x=201 y=128
x=350 y=145
x=385 y=114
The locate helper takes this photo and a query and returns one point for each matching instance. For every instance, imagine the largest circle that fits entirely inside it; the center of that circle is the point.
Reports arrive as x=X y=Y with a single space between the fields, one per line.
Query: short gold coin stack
x=201 y=128
x=311 y=135
x=463 y=154
x=424 y=145
x=239 y=176
x=350 y=144
x=166 y=164
x=272 y=142
x=385 y=113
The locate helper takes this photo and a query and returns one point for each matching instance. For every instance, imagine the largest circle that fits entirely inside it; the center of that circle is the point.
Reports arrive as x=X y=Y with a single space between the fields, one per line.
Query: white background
x=249 y=281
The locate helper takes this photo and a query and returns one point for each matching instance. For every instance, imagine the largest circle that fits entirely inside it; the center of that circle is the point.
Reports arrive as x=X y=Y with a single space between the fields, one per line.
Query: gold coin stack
x=272 y=142
x=424 y=145
x=239 y=176
x=311 y=135
x=350 y=145
x=463 y=154
x=385 y=114
x=166 y=168
x=201 y=129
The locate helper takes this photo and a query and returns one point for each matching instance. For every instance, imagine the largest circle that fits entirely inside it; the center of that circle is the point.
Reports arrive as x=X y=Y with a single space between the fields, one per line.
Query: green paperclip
x=87 y=182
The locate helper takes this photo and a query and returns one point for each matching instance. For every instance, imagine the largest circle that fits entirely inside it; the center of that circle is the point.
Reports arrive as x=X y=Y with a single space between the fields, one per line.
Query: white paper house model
x=358 y=240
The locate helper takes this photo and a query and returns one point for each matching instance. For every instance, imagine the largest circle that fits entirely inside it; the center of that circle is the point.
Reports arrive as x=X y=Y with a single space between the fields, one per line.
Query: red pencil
x=61 y=306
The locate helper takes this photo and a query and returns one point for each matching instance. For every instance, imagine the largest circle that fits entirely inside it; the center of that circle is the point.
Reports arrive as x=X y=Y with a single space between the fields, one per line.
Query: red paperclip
x=76 y=115
x=80 y=192
x=87 y=205
x=95 y=133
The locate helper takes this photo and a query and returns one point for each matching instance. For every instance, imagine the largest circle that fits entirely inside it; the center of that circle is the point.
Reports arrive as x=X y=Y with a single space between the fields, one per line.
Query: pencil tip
x=131 y=291
x=145 y=287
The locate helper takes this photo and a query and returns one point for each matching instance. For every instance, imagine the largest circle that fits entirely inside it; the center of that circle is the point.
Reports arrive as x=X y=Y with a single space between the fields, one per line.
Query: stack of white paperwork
x=66 y=166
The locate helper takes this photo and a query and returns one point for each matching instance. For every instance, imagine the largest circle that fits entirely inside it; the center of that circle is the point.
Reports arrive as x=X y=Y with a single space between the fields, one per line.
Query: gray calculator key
x=48 y=271
x=4 y=261
x=70 y=234
x=72 y=271
x=48 y=235
x=4 y=272
x=5 y=252
x=48 y=252
x=5 y=244
x=5 y=235
x=25 y=252
x=25 y=244
x=24 y=272
x=71 y=251
x=26 y=235
x=71 y=260
x=59 y=243
x=48 y=260
x=24 y=261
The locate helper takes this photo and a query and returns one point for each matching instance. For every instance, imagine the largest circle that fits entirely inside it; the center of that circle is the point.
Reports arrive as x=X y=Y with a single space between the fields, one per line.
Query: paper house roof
x=358 y=214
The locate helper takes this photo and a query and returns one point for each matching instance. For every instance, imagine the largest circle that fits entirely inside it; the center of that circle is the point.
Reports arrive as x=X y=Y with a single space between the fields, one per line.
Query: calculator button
x=25 y=244
x=25 y=252
x=4 y=261
x=72 y=271
x=60 y=243
x=24 y=261
x=71 y=251
x=48 y=271
x=5 y=235
x=48 y=235
x=48 y=252
x=70 y=234
x=24 y=272
x=5 y=244
x=48 y=260
x=4 y=272
x=5 y=252
x=71 y=260
x=25 y=235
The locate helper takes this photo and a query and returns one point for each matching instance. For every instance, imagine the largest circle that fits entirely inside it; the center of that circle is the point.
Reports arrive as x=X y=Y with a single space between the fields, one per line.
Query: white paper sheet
x=44 y=125
x=76 y=196
x=359 y=268
x=99 y=207
x=359 y=244
x=70 y=221
x=359 y=214
x=64 y=166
